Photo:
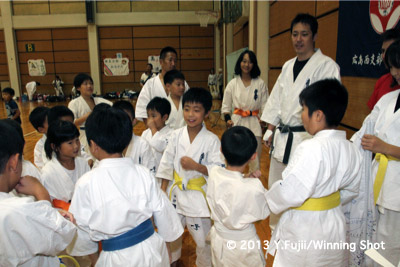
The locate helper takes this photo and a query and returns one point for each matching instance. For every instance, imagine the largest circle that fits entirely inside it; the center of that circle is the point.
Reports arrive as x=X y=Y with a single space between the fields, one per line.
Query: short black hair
x=305 y=19
x=59 y=132
x=327 y=95
x=392 y=34
x=11 y=143
x=125 y=106
x=16 y=126
x=9 y=90
x=198 y=95
x=255 y=71
x=238 y=144
x=159 y=104
x=392 y=57
x=38 y=116
x=110 y=128
x=81 y=78
x=165 y=50
x=172 y=75
x=56 y=112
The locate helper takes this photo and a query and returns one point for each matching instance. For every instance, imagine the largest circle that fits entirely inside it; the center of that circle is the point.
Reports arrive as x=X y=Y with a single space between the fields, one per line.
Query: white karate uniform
x=191 y=204
x=39 y=155
x=158 y=142
x=30 y=89
x=59 y=181
x=236 y=203
x=387 y=128
x=283 y=106
x=319 y=167
x=175 y=118
x=140 y=151
x=28 y=169
x=153 y=87
x=79 y=107
x=32 y=232
x=114 y=198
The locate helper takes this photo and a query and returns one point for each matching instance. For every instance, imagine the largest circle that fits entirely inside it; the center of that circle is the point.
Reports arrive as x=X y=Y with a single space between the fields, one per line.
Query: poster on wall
x=36 y=67
x=116 y=66
x=155 y=61
x=359 y=43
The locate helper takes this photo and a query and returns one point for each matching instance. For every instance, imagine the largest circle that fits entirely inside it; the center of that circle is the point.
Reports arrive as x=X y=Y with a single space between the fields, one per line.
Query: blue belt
x=130 y=238
x=82 y=127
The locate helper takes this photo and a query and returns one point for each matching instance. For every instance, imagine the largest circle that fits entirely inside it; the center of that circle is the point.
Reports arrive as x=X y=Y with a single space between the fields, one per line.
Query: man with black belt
x=283 y=110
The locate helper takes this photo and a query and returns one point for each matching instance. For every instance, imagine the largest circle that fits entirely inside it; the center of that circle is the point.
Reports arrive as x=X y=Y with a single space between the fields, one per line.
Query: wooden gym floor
x=214 y=124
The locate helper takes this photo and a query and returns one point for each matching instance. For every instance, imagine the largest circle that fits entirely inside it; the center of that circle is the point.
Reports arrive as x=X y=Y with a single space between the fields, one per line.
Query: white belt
x=243 y=234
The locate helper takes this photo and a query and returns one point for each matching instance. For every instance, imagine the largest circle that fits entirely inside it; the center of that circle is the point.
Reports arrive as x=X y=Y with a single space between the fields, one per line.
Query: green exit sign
x=30 y=48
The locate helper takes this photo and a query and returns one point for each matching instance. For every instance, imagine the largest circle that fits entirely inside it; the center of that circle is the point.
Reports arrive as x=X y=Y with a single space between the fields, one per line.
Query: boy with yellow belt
x=191 y=151
x=322 y=174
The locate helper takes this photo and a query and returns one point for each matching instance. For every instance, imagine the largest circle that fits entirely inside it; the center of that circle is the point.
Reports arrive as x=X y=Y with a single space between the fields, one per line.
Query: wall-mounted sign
x=155 y=61
x=30 y=48
x=116 y=66
x=36 y=67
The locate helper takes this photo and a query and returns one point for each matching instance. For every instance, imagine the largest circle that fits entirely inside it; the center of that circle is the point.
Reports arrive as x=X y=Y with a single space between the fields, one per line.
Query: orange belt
x=61 y=204
x=245 y=113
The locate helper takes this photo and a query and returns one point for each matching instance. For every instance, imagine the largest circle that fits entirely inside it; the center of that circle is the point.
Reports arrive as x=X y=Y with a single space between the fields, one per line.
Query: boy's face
x=6 y=97
x=177 y=87
x=169 y=62
x=155 y=118
x=310 y=123
x=194 y=114
x=86 y=88
x=302 y=39
x=14 y=176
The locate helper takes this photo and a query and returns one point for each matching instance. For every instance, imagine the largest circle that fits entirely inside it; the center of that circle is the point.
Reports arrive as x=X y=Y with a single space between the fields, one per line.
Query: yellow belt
x=322 y=203
x=380 y=175
x=193 y=184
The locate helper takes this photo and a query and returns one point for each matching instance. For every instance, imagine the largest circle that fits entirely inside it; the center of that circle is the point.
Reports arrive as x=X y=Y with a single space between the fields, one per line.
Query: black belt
x=290 y=130
x=82 y=128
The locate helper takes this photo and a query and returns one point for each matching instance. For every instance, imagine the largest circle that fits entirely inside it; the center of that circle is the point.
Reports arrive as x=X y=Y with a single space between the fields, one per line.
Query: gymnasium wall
x=241 y=36
x=281 y=50
x=3 y=59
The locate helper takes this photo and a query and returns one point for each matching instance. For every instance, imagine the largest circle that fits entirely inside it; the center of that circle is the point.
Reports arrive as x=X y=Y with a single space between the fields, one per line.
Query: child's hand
x=188 y=163
x=229 y=124
x=67 y=215
x=373 y=144
x=29 y=185
x=254 y=174
x=151 y=125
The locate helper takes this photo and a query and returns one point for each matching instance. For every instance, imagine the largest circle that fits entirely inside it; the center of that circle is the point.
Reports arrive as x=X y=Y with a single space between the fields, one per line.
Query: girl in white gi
x=84 y=104
x=157 y=133
x=117 y=199
x=245 y=97
x=32 y=232
x=65 y=166
x=236 y=203
x=139 y=150
x=175 y=84
x=38 y=119
x=322 y=174
x=191 y=152
x=385 y=143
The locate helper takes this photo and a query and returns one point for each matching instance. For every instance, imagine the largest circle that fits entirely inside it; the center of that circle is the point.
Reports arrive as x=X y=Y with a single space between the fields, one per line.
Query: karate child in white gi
x=65 y=166
x=157 y=133
x=236 y=203
x=385 y=143
x=191 y=152
x=115 y=201
x=32 y=232
x=175 y=84
x=139 y=150
x=322 y=174
x=38 y=119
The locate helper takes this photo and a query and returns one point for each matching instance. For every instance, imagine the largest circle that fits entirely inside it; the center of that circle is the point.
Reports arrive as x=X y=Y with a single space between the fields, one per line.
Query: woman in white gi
x=65 y=167
x=245 y=97
x=385 y=143
x=83 y=105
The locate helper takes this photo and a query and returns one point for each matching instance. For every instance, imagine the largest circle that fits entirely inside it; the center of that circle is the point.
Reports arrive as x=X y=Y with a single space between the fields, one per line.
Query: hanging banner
x=359 y=43
x=36 y=67
x=116 y=66
x=155 y=61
